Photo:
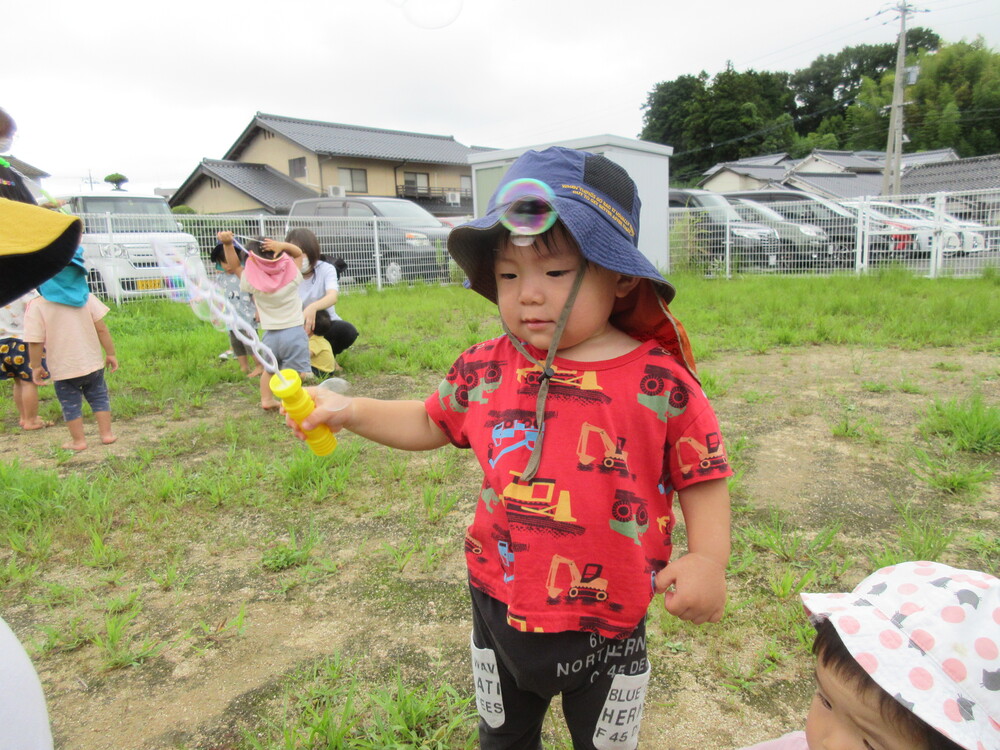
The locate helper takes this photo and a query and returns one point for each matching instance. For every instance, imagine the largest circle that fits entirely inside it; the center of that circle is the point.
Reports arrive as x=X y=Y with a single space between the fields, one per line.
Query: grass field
x=155 y=576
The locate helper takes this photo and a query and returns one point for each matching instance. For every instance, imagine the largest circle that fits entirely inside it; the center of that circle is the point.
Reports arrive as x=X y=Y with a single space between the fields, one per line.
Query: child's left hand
x=111 y=362
x=699 y=588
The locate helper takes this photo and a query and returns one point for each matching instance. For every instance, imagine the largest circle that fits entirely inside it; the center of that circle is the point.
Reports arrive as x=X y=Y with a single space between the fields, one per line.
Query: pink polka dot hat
x=929 y=635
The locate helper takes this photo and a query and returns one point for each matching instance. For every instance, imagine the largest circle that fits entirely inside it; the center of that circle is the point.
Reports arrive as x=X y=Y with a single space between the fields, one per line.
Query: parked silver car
x=802 y=245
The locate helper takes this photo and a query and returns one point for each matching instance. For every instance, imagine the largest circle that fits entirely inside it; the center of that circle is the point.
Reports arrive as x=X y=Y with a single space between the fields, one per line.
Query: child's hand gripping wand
x=286 y=385
x=186 y=278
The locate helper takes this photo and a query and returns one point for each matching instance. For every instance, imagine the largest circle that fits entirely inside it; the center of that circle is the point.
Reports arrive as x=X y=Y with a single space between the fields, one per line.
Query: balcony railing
x=438 y=196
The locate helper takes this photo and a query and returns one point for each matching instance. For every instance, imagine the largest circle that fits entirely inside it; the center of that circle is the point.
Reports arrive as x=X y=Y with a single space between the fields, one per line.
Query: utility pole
x=894 y=144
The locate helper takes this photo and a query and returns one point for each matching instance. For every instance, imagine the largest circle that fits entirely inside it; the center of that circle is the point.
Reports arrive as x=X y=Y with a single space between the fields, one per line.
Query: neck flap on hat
x=68 y=287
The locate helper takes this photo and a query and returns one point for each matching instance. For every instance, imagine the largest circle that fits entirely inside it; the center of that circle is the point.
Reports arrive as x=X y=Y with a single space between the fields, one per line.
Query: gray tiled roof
x=757 y=171
x=917 y=157
x=266 y=185
x=975 y=173
x=353 y=140
x=26 y=169
x=838 y=184
x=846 y=160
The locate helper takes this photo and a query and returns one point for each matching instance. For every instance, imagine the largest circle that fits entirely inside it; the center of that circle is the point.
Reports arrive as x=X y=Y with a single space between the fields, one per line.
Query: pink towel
x=270 y=275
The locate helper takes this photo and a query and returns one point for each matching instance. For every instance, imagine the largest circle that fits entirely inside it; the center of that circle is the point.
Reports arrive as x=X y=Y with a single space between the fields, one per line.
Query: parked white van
x=119 y=229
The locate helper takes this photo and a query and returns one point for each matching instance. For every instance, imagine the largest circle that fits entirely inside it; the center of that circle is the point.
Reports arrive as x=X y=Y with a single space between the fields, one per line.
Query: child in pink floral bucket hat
x=909 y=660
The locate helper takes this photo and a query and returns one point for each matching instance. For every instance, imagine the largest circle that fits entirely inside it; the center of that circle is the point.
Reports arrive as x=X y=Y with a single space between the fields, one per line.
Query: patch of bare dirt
x=199 y=692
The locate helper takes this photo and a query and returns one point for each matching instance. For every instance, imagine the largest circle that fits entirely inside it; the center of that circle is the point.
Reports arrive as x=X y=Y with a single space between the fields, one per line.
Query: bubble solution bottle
x=287 y=385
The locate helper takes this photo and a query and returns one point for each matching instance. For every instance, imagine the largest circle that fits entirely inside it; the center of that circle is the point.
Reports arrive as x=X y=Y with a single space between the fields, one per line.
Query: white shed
x=648 y=164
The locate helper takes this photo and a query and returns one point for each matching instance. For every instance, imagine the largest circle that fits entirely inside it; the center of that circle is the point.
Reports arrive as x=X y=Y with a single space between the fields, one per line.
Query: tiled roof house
x=277 y=160
x=832 y=174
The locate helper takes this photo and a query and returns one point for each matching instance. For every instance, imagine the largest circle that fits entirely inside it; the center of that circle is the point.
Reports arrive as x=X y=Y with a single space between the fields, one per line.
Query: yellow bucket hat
x=35 y=244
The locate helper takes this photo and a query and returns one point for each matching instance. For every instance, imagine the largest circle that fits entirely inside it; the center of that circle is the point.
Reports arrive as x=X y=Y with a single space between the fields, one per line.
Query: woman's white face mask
x=6 y=143
x=304 y=267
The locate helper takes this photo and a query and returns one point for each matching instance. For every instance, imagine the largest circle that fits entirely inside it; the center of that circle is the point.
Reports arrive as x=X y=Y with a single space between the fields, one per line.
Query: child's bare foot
x=38 y=424
x=255 y=373
x=269 y=406
x=108 y=439
x=72 y=445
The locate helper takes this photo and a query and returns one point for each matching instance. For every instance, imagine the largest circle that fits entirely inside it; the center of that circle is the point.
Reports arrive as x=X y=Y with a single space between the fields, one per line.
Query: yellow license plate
x=146 y=284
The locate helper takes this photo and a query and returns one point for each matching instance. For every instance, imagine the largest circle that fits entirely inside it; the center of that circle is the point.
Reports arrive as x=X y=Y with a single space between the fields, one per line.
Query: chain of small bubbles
x=187 y=282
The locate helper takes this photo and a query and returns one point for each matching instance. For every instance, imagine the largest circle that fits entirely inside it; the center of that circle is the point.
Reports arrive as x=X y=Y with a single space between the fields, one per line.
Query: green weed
x=949 y=475
x=969 y=425
x=289 y=554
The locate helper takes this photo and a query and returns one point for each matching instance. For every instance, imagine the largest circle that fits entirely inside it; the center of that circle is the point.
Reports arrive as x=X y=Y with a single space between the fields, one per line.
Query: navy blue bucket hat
x=595 y=200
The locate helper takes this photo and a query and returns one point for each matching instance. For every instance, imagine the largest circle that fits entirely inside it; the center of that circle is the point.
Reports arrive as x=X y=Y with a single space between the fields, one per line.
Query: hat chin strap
x=547 y=372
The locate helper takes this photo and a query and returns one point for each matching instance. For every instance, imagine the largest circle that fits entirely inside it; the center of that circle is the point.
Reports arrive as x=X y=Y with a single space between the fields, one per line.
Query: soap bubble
x=429 y=14
x=186 y=281
x=530 y=206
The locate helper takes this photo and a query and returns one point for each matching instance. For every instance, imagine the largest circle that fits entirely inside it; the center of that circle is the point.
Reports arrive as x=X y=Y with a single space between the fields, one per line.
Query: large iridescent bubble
x=530 y=208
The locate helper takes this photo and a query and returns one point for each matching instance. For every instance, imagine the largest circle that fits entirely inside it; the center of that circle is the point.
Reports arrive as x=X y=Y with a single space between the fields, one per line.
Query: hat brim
x=35 y=243
x=473 y=246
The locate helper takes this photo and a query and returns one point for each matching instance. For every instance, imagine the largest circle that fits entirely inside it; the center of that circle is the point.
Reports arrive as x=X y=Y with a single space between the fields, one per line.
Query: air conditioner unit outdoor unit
x=336 y=191
x=453 y=198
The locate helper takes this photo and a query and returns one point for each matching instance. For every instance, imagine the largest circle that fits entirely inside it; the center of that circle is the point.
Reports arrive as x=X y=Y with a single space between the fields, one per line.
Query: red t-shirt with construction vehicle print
x=578 y=547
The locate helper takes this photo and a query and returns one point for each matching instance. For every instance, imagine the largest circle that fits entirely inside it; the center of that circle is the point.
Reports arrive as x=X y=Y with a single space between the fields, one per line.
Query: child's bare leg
x=244 y=366
x=26 y=399
x=103 y=419
x=266 y=397
x=77 y=440
x=257 y=369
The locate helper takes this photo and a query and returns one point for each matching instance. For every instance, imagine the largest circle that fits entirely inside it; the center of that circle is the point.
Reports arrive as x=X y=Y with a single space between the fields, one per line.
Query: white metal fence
x=954 y=234
x=119 y=249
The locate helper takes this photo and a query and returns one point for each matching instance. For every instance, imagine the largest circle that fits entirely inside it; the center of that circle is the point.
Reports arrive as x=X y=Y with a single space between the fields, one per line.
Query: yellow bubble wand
x=186 y=280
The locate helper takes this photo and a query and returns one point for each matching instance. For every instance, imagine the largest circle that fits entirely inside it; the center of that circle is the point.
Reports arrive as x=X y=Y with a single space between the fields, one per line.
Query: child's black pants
x=516 y=675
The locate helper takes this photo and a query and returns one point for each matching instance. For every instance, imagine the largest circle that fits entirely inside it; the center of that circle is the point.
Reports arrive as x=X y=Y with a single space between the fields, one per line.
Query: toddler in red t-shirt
x=586 y=417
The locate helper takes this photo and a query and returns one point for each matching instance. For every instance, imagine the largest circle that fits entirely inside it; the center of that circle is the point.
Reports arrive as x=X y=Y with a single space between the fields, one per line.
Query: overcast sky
x=148 y=89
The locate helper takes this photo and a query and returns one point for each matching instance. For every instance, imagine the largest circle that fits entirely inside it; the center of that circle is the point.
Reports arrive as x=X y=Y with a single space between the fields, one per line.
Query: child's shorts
x=14 y=360
x=290 y=347
x=72 y=391
x=516 y=675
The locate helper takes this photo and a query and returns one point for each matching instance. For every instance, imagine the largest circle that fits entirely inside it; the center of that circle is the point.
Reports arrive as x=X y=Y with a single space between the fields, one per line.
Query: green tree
x=116 y=179
x=667 y=107
x=956 y=100
x=828 y=86
x=736 y=114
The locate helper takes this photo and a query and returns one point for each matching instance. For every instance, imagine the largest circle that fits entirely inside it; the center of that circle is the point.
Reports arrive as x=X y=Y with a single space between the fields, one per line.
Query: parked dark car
x=715 y=225
x=803 y=246
x=409 y=242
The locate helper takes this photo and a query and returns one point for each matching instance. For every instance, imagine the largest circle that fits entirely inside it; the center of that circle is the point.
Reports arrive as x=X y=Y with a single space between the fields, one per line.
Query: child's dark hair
x=256 y=246
x=831 y=652
x=218 y=254
x=323 y=323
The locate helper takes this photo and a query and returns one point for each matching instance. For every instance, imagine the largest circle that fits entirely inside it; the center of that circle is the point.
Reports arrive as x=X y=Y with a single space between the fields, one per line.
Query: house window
x=416 y=183
x=355 y=180
x=297 y=167
x=466 y=184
